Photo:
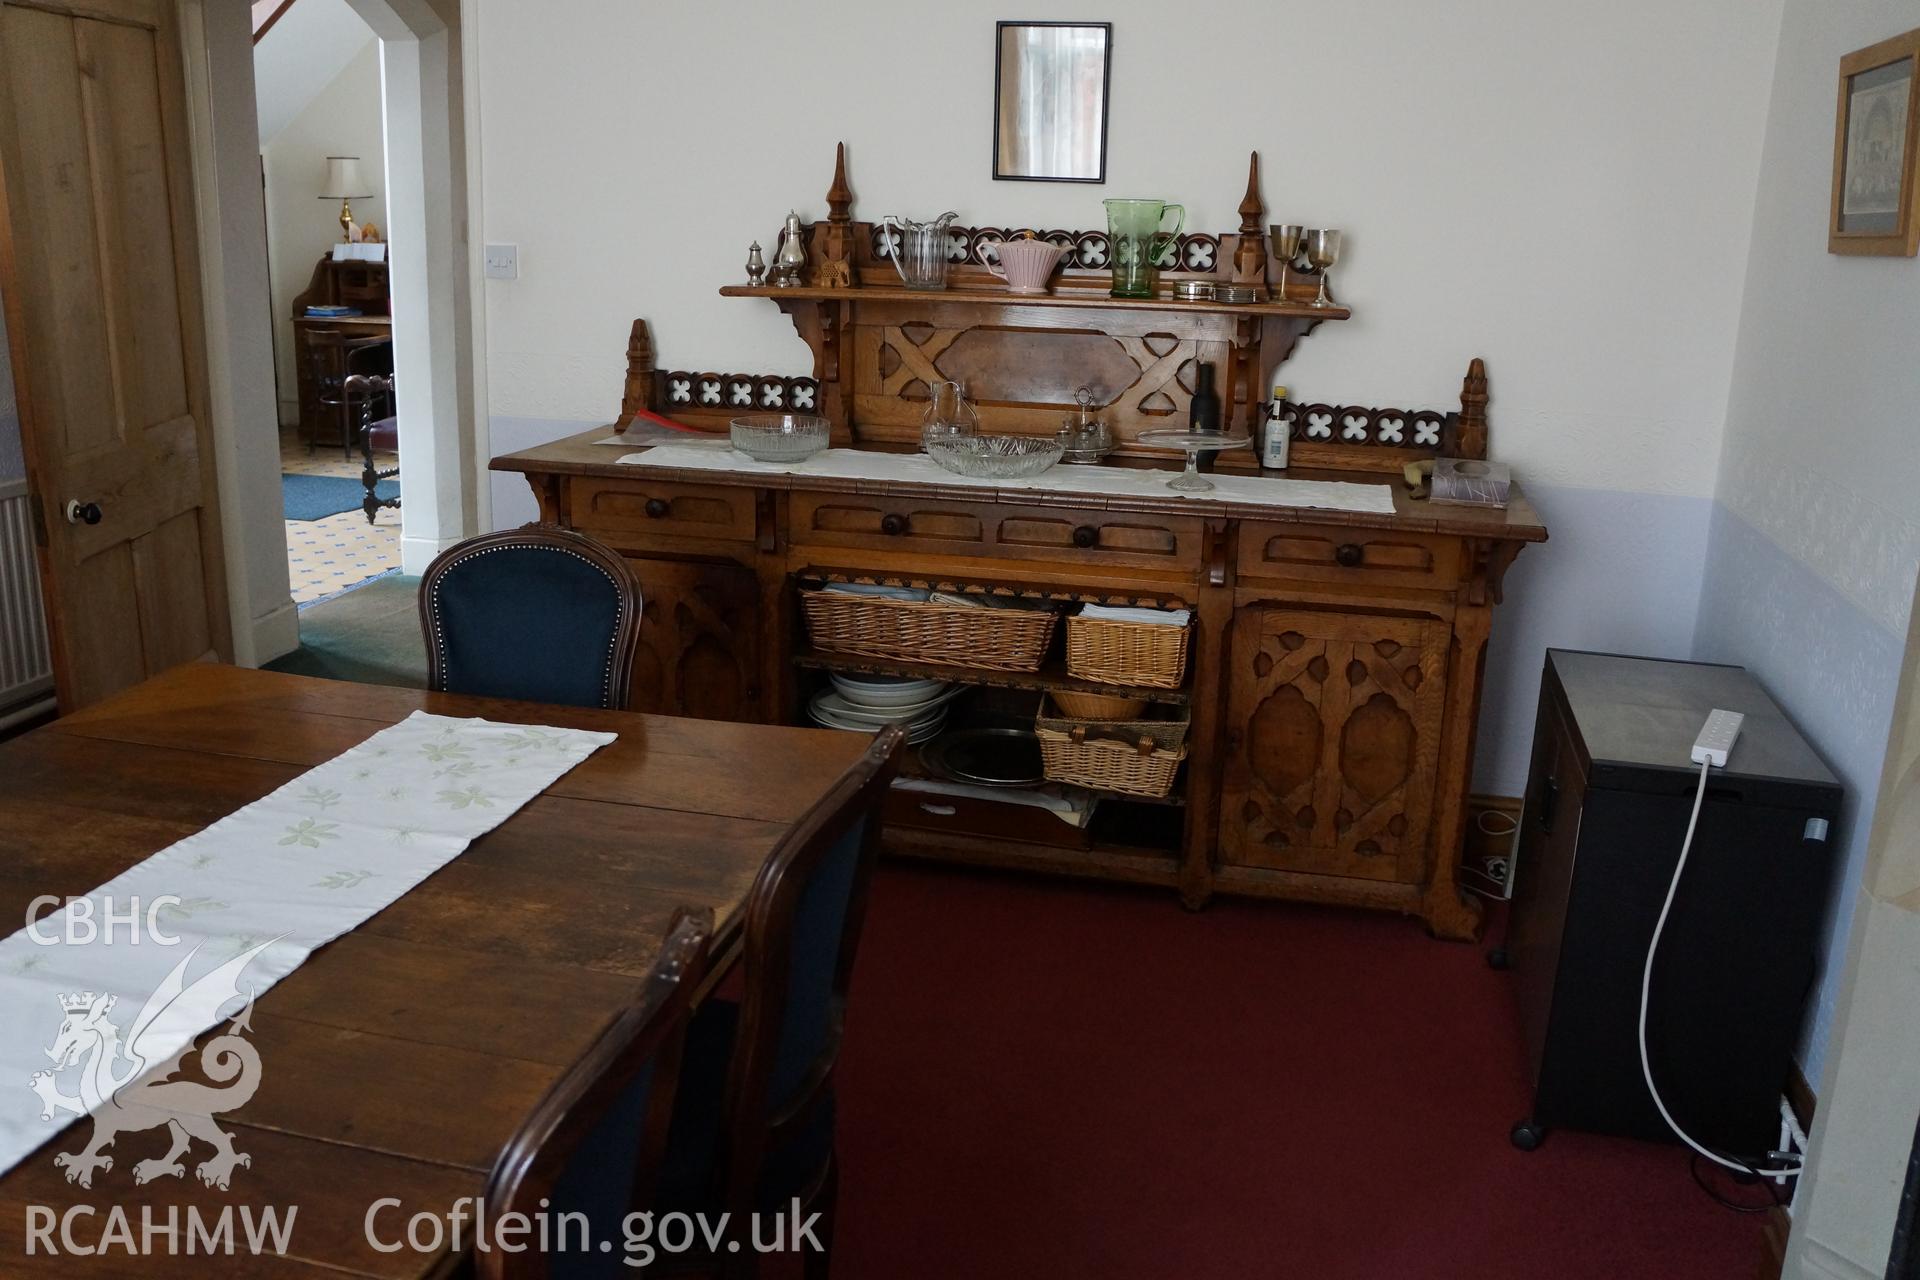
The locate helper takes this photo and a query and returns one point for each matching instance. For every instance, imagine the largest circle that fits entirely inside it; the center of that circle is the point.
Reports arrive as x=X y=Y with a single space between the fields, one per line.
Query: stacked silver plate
x=865 y=703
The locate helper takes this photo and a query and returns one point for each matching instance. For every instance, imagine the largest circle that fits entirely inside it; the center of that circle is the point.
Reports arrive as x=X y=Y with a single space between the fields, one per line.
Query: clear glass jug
x=919 y=250
x=1135 y=241
x=948 y=414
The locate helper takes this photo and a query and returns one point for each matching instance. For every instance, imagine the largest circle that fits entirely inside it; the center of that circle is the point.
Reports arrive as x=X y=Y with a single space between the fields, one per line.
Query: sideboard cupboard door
x=699 y=641
x=1333 y=742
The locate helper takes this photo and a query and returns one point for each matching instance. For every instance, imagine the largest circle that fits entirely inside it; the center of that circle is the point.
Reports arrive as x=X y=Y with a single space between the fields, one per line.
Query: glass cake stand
x=1195 y=443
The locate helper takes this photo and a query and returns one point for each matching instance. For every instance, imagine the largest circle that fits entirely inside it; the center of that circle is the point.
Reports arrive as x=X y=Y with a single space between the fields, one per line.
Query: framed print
x=1050 y=82
x=1876 y=207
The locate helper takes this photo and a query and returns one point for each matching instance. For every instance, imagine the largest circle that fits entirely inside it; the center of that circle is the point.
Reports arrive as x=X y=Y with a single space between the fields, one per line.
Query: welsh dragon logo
x=141 y=1096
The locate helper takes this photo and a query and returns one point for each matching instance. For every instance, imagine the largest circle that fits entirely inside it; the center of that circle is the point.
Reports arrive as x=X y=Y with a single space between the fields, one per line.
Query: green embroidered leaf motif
x=525 y=739
x=322 y=798
x=201 y=861
x=460 y=769
x=442 y=752
x=467 y=797
x=310 y=833
x=341 y=880
x=187 y=907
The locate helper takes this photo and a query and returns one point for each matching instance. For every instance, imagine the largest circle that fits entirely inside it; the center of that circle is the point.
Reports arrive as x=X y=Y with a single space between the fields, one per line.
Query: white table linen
x=278 y=878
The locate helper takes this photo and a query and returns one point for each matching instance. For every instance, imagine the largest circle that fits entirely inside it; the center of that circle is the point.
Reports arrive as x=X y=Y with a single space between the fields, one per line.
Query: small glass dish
x=995 y=457
x=778 y=437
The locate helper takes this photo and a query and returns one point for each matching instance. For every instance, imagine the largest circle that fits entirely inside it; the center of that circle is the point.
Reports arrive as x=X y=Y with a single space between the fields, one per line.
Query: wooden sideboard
x=1335 y=673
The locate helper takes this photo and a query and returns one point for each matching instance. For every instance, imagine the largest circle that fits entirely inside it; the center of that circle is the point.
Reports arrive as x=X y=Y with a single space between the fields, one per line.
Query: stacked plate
x=866 y=703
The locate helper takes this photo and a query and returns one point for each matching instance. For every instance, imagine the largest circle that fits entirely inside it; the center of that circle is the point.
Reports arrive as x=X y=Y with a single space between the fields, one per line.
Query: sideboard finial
x=833 y=268
x=1472 y=440
x=637 y=392
x=1250 y=255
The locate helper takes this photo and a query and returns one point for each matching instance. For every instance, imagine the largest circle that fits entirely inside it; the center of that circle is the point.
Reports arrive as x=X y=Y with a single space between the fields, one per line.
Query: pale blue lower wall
x=1834 y=669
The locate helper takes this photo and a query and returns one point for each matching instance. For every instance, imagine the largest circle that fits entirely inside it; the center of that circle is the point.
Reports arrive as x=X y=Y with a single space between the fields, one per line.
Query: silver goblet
x=1323 y=250
x=1286 y=247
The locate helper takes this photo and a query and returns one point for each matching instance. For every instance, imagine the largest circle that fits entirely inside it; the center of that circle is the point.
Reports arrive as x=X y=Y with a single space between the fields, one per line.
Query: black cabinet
x=1608 y=798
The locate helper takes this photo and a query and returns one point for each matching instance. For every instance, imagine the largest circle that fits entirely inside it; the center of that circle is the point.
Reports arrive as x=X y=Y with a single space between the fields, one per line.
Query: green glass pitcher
x=1135 y=242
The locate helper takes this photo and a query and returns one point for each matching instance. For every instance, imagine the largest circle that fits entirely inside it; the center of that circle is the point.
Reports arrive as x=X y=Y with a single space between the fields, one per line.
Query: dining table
x=401 y=1057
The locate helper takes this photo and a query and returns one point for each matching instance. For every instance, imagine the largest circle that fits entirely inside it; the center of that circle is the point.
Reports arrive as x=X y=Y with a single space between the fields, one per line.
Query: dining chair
x=537 y=613
x=334 y=361
x=753 y=1125
x=594 y=1143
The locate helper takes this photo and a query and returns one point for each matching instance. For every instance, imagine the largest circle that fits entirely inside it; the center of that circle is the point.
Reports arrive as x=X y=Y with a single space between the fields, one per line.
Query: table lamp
x=344 y=183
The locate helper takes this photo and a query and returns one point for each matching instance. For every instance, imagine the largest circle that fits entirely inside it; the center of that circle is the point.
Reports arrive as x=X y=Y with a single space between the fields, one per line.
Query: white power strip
x=1716 y=738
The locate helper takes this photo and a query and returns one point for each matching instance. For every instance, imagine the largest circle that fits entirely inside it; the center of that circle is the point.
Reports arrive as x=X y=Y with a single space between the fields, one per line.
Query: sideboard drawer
x=1163 y=545
x=1330 y=553
x=654 y=508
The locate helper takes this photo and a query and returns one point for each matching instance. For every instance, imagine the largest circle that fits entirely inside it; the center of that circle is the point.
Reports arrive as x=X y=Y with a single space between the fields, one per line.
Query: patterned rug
x=309 y=497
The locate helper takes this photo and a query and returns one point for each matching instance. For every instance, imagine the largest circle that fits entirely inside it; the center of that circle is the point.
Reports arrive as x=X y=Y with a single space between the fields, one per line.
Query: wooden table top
x=399 y=1059
x=1518 y=522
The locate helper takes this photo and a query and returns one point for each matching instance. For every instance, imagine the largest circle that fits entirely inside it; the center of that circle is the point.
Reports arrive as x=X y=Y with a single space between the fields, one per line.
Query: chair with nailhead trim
x=538 y=613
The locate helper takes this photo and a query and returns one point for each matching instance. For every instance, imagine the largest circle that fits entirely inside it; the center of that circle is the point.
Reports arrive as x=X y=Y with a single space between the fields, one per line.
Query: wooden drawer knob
x=1349 y=554
x=657 y=508
x=893 y=525
x=1085 y=536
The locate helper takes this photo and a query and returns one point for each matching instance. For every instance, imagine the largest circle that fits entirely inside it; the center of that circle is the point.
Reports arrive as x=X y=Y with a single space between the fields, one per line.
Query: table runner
x=868 y=464
x=257 y=893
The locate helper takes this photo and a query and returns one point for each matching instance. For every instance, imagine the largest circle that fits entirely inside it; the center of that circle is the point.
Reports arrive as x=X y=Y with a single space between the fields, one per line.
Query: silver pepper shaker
x=756 y=266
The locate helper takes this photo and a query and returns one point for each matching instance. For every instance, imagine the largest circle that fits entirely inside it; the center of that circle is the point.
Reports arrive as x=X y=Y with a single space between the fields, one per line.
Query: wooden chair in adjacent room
x=594 y=1143
x=335 y=360
x=538 y=613
x=753 y=1125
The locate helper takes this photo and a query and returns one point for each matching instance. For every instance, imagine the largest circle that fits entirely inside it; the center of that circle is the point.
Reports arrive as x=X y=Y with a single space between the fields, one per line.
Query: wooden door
x=100 y=267
x=1333 y=742
x=699 y=651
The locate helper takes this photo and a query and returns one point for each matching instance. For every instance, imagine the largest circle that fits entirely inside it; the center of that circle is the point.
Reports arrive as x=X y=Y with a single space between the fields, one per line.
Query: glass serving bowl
x=778 y=437
x=995 y=457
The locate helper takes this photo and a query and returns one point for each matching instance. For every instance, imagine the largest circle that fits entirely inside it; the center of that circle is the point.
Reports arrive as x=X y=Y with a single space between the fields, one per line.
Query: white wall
x=1816 y=531
x=300 y=55
x=1562 y=188
x=343 y=118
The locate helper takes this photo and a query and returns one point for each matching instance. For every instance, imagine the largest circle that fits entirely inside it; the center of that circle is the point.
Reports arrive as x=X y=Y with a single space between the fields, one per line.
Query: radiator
x=26 y=667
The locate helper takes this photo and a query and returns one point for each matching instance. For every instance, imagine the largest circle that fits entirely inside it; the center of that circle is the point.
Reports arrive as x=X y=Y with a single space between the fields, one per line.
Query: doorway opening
x=323 y=125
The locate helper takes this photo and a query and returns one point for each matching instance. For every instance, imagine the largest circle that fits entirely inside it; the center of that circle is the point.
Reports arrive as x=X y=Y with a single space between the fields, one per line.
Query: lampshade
x=343 y=180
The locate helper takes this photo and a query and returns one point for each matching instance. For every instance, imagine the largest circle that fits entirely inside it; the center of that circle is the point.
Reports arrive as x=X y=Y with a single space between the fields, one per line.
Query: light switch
x=503 y=262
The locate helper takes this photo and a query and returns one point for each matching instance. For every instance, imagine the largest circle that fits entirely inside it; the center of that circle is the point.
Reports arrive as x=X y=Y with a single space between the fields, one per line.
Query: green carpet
x=370 y=635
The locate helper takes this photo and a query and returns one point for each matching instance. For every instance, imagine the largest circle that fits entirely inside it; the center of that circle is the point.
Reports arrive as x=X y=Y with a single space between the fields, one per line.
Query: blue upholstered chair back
x=803 y=929
x=593 y=1145
x=811 y=1016
x=538 y=614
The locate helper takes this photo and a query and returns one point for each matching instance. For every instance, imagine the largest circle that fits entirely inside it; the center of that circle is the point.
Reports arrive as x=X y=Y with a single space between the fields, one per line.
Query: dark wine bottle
x=1204 y=414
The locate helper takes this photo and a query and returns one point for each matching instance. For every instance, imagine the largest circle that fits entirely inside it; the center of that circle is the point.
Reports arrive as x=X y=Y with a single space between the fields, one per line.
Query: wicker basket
x=1098 y=706
x=1151 y=654
x=1135 y=757
x=912 y=631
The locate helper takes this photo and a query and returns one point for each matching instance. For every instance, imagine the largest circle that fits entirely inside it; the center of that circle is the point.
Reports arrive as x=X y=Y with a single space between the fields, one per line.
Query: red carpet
x=1063 y=1080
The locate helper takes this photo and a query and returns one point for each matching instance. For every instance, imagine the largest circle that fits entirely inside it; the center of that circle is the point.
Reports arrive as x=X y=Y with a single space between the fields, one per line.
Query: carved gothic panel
x=1337 y=723
x=699 y=649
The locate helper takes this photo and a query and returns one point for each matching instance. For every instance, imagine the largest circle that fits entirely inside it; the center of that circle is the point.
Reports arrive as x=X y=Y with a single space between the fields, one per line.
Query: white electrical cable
x=1646 y=987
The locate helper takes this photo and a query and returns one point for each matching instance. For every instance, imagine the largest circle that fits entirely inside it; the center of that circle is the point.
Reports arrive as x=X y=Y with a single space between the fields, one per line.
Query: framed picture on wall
x=1876 y=187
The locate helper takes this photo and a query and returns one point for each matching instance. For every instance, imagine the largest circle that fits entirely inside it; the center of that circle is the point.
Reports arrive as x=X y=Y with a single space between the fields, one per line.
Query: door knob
x=893 y=525
x=1085 y=536
x=79 y=512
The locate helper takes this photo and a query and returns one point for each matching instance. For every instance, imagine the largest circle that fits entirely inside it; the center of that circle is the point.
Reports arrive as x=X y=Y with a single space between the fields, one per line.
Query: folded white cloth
x=1117 y=613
